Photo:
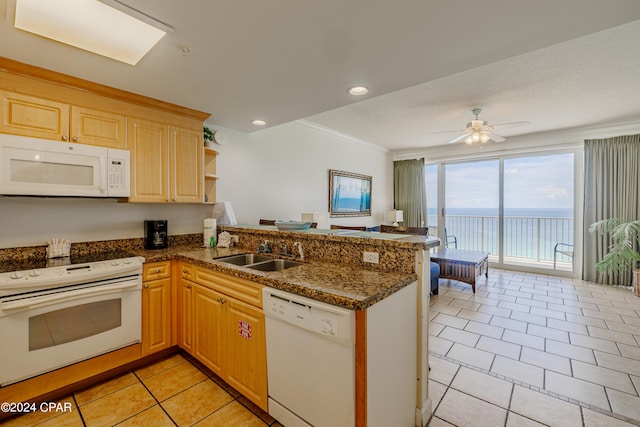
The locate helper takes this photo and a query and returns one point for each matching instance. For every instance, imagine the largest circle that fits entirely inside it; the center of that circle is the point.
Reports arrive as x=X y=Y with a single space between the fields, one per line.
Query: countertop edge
x=278 y=280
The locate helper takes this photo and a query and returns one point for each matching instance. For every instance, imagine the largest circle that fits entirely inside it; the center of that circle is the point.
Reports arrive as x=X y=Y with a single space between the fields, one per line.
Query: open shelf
x=210 y=175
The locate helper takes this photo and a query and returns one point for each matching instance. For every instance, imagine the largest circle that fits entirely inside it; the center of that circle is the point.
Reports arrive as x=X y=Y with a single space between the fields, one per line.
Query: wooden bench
x=462 y=265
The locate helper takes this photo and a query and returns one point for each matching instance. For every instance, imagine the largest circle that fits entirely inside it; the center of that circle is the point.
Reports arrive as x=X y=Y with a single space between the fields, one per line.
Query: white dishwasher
x=310 y=361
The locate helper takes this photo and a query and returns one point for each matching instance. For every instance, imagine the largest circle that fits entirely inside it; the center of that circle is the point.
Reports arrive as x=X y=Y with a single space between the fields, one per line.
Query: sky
x=529 y=182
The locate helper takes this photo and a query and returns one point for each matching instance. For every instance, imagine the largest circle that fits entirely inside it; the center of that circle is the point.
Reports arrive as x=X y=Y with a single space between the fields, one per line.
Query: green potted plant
x=207 y=135
x=623 y=253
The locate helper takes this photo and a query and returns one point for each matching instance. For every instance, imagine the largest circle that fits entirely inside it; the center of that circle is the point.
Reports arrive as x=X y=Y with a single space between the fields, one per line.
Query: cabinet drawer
x=187 y=271
x=156 y=270
x=240 y=289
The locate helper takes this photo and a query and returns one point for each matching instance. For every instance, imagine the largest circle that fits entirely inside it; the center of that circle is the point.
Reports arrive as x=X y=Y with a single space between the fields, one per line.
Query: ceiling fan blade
x=494 y=136
x=526 y=122
x=458 y=139
x=446 y=131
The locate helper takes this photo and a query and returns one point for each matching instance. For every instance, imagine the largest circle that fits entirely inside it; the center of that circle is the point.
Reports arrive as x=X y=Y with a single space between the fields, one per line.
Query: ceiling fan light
x=484 y=138
x=468 y=140
x=475 y=137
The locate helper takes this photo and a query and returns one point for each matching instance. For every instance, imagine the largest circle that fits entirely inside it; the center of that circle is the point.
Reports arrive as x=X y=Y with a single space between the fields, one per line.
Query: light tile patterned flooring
x=525 y=350
x=530 y=350
x=173 y=391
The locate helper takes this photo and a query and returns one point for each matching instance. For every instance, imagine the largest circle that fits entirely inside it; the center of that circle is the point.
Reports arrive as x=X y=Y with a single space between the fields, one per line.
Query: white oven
x=53 y=317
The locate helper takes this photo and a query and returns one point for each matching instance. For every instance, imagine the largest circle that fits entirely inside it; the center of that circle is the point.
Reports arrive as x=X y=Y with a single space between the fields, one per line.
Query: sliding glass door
x=519 y=209
x=472 y=205
x=538 y=221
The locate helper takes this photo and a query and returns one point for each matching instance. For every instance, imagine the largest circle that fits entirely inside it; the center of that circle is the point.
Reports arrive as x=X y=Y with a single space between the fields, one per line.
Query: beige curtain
x=611 y=185
x=409 y=192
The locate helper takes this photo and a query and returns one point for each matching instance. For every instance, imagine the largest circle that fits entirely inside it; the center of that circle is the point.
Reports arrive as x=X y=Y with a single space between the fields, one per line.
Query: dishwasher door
x=310 y=361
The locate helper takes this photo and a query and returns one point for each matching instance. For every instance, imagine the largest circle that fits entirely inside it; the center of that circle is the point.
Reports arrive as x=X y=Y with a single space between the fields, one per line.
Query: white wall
x=281 y=172
x=276 y=173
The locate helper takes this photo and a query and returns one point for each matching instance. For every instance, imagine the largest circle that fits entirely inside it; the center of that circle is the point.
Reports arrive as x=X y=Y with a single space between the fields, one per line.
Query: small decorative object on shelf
x=207 y=135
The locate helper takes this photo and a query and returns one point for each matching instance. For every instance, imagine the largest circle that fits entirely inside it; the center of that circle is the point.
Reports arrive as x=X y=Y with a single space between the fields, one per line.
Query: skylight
x=106 y=27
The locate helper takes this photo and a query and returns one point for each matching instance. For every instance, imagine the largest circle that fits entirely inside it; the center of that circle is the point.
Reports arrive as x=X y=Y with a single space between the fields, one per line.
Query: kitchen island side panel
x=392 y=359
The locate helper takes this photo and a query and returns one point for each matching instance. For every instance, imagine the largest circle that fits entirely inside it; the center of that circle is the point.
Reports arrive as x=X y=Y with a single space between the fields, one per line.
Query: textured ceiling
x=589 y=81
x=427 y=63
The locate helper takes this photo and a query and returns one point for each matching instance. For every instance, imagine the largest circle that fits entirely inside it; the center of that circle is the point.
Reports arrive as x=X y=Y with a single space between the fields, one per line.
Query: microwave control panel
x=118 y=173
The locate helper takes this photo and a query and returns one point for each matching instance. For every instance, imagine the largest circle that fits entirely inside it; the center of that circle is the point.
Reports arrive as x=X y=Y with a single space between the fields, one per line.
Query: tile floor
x=174 y=391
x=530 y=350
x=525 y=350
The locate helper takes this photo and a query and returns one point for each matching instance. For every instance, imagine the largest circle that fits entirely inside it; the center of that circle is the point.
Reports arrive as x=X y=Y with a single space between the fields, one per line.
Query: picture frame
x=349 y=194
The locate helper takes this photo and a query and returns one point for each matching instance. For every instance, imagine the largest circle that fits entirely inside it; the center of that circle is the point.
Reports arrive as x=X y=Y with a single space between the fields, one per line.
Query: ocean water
x=529 y=233
x=527 y=212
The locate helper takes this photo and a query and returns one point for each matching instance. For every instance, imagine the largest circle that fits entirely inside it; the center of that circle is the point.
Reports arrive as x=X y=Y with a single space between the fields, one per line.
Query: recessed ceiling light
x=106 y=27
x=358 y=90
x=258 y=122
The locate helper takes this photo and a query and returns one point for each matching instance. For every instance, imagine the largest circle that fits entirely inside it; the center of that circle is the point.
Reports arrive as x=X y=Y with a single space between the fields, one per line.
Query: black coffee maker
x=155 y=234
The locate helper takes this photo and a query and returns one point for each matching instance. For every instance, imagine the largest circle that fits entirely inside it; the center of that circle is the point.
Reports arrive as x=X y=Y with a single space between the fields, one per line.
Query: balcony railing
x=525 y=238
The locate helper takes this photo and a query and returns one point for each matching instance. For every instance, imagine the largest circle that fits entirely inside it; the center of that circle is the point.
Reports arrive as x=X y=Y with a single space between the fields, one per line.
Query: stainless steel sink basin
x=244 y=259
x=274 y=265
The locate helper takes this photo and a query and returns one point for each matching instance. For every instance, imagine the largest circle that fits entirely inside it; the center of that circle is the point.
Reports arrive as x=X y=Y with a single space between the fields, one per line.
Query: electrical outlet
x=372 y=257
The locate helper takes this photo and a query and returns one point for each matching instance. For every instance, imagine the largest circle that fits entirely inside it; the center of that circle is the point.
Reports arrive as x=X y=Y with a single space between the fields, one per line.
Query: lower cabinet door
x=208 y=330
x=246 y=369
x=156 y=315
x=186 y=316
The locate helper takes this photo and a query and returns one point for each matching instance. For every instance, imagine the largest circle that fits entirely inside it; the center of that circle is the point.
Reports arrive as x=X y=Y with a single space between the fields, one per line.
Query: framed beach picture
x=349 y=194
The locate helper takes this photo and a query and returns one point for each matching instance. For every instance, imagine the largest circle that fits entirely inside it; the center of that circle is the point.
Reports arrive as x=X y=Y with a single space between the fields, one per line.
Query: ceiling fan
x=480 y=131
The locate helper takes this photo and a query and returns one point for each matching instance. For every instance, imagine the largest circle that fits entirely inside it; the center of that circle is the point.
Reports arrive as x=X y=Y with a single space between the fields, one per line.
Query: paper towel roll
x=208 y=231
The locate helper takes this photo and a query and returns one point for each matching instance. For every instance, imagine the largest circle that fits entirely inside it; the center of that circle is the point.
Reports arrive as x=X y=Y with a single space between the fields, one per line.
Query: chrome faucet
x=283 y=247
x=264 y=247
x=299 y=246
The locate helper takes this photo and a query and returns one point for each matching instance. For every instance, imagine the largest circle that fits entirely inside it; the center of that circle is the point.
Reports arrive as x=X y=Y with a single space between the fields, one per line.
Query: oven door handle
x=46 y=300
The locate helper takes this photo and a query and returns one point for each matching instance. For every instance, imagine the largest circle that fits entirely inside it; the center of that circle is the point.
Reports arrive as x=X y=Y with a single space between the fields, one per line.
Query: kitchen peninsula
x=333 y=272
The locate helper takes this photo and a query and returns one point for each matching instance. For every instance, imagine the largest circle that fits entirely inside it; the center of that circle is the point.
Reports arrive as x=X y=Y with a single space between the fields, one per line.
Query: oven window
x=73 y=323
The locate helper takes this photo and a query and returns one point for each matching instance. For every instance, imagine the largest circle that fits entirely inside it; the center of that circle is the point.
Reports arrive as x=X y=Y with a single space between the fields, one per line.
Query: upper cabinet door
x=32 y=116
x=98 y=128
x=186 y=165
x=149 y=147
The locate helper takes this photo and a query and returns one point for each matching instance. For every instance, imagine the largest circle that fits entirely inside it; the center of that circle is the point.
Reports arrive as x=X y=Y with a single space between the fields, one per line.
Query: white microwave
x=40 y=167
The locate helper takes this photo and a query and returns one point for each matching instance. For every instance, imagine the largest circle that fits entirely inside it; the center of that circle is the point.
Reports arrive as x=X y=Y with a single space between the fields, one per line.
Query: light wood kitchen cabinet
x=185 y=165
x=29 y=115
x=228 y=329
x=166 y=163
x=246 y=351
x=209 y=337
x=185 y=337
x=149 y=147
x=156 y=307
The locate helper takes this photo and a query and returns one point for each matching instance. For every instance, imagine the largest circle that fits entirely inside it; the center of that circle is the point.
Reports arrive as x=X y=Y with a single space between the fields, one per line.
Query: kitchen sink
x=274 y=265
x=244 y=259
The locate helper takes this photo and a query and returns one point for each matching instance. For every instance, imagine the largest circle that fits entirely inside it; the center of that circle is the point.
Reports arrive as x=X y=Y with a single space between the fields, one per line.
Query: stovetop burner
x=39 y=264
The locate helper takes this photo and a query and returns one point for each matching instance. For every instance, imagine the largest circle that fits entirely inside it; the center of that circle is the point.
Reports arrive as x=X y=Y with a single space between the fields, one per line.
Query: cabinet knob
x=75 y=139
x=175 y=200
x=188 y=286
x=65 y=137
x=145 y=286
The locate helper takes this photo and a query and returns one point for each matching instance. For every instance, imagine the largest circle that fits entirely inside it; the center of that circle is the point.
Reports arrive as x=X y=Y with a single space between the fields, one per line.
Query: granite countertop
x=345 y=286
